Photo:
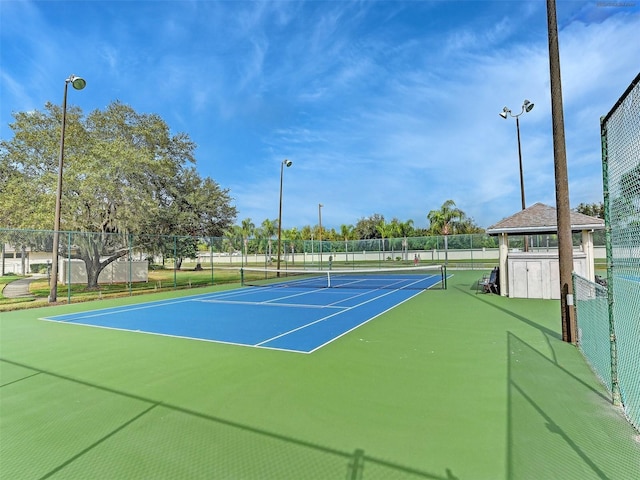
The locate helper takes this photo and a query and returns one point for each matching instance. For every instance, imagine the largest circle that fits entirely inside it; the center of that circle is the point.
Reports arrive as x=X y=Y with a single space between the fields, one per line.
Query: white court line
x=333 y=315
x=147 y=305
x=273 y=301
x=168 y=335
x=360 y=324
x=244 y=291
x=269 y=304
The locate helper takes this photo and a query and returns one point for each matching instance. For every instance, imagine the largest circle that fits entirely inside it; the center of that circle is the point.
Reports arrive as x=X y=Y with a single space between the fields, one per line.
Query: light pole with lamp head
x=527 y=106
x=78 y=83
x=284 y=163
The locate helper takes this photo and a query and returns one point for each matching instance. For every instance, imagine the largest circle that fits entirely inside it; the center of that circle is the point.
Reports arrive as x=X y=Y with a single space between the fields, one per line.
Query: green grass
x=449 y=385
x=4 y=279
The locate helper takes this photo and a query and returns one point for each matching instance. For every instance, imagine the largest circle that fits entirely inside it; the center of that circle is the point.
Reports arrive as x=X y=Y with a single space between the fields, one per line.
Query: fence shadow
x=225 y=449
x=560 y=426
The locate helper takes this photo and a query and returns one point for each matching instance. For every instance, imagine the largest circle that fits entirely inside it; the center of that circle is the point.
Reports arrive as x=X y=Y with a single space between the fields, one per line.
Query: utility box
x=537 y=275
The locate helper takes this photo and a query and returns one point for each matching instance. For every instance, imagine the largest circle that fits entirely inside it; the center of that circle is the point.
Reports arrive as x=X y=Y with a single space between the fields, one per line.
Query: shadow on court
x=213 y=448
x=546 y=432
x=491 y=299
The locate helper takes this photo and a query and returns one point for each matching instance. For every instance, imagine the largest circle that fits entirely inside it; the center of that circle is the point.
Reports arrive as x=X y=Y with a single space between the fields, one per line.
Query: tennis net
x=418 y=278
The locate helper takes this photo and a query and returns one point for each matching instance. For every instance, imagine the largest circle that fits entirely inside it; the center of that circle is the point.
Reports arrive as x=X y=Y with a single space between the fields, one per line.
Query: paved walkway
x=19 y=288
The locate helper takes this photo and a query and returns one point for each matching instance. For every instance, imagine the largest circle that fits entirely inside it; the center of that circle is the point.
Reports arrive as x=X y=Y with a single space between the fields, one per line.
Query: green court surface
x=449 y=385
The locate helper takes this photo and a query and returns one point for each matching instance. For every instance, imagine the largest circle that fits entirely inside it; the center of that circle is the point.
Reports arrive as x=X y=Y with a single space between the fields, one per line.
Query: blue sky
x=384 y=107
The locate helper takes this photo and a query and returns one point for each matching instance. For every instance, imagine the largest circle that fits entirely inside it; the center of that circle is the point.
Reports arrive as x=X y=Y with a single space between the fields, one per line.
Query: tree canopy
x=450 y=220
x=124 y=172
x=591 y=209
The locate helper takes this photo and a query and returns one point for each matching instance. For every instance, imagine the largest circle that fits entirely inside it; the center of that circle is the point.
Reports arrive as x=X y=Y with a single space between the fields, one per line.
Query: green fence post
x=615 y=387
x=130 y=241
x=68 y=267
x=211 y=258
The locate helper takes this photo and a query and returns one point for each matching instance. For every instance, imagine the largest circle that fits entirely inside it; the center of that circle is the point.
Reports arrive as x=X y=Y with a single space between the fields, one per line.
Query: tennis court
x=448 y=384
x=299 y=311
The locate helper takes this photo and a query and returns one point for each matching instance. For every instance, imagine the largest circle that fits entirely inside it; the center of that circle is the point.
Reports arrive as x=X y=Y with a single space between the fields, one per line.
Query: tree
x=404 y=229
x=291 y=236
x=347 y=233
x=591 y=209
x=125 y=175
x=247 y=229
x=233 y=236
x=269 y=229
x=385 y=230
x=445 y=220
x=367 y=228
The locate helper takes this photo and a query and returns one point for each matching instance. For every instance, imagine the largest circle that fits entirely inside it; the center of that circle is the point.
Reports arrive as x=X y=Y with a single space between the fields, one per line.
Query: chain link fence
x=609 y=319
x=103 y=264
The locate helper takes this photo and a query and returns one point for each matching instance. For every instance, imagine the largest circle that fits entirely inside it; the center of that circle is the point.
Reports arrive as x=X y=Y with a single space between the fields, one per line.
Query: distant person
x=330 y=261
x=416 y=260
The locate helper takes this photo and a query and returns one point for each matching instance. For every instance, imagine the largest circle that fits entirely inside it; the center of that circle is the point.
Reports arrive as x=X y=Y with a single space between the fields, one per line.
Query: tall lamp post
x=285 y=163
x=78 y=83
x=527 y=106
x=320 y=231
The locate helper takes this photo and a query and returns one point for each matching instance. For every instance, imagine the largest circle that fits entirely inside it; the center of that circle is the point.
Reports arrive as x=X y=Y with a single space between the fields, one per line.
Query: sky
x=383 y=107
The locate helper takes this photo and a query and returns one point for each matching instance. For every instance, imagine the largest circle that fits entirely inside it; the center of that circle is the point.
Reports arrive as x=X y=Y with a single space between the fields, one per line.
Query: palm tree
x=346 y=232
x=404 y=229
x=444 y=222
x=269 y=228
x=385 y=230
x=292 y=235
x=247 y=230
x=232 y=239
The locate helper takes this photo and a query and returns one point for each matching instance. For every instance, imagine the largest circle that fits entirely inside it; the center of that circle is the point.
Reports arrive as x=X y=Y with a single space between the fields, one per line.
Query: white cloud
x=382 y=106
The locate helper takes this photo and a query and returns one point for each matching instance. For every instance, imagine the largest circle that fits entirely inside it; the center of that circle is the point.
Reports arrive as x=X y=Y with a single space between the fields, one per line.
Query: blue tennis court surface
x=292 y=318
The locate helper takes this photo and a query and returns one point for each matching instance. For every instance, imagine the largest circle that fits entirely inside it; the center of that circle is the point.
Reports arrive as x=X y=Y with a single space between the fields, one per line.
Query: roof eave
x=542 y=229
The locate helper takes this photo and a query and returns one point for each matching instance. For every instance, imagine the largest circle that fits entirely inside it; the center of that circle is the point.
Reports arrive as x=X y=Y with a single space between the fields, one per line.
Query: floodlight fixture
x=78 y=82
x=527 y=106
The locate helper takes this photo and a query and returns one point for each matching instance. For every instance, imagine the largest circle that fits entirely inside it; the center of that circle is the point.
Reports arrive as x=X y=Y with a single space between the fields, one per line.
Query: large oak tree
x=125 y=177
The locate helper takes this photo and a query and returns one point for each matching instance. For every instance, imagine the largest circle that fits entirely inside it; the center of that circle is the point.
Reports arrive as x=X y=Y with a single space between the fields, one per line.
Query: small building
x=537 y=274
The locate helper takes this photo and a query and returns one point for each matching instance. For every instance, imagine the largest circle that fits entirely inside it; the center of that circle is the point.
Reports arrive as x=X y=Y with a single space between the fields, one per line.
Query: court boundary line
x=269 y=304
x=363 y=323
x=243 y=291
x=389 y=292
x=147 y=305
x=182 y=337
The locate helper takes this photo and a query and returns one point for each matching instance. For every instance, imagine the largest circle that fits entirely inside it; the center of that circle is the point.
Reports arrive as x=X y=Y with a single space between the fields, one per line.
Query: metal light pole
x=284 y=163
x=77 y=83
x=320 y=231
x=527 y=106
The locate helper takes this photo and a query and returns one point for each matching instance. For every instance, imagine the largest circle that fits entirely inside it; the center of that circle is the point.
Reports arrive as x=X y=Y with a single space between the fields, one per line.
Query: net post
x=241 y=277
x=444 y=277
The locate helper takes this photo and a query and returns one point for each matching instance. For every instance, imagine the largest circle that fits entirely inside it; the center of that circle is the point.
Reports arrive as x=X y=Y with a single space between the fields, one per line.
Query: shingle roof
x=541 y=218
